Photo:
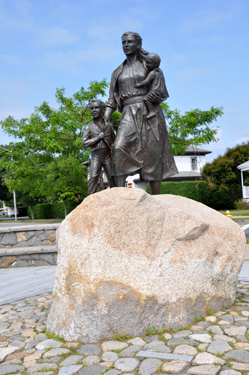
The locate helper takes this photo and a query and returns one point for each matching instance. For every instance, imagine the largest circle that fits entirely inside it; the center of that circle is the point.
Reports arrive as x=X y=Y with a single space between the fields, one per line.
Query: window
x=193 y=164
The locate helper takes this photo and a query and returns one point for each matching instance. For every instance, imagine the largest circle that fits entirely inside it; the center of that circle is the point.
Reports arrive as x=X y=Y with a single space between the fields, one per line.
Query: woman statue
x=142 y=143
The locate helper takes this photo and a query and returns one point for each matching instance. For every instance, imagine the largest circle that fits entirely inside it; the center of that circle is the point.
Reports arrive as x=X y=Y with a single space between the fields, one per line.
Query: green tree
x=47 y=154
x=223 y=174
x=5 y=194
x=48 y=158
x=192 y=128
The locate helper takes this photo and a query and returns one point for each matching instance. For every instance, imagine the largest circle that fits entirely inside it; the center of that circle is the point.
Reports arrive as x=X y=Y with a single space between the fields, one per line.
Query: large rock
x=128 y=260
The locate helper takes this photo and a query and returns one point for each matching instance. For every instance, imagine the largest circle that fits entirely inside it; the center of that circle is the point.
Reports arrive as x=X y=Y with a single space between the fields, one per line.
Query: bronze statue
x=155 y=81
x=99 y=136
x=142 y=142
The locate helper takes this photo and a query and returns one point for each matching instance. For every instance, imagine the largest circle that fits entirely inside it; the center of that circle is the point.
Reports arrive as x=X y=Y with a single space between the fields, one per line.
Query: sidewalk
x=247 y=252
x=213 y=344
x=20 y=283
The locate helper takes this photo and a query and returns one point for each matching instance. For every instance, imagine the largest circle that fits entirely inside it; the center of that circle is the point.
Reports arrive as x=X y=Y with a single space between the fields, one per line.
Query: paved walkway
x=213 y=345
x=19 y=283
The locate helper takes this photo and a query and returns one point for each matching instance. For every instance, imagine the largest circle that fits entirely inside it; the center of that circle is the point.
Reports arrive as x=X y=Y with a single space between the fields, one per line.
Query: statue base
x=128 y=261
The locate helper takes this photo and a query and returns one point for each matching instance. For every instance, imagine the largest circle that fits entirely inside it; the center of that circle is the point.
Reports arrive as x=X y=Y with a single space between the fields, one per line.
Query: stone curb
x=9 y=251
x=26 y=228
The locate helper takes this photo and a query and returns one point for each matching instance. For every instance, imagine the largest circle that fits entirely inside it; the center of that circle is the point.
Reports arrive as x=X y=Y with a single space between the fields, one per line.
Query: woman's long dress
x=141 y=145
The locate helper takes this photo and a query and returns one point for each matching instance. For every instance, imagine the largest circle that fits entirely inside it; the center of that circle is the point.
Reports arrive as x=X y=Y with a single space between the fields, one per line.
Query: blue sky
x=203 y=45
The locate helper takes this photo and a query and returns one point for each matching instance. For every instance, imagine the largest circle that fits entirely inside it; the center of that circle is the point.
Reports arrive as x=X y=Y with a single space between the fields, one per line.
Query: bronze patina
x=99 y=136
x=142 y=143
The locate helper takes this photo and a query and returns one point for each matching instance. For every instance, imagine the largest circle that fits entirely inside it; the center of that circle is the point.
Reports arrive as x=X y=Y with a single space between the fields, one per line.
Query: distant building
x=190 y=164
x=245 y=189
x=189 y=167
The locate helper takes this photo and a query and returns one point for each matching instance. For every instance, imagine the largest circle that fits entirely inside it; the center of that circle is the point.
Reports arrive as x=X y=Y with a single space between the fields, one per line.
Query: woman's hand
x=154 y=97
x=107 y=114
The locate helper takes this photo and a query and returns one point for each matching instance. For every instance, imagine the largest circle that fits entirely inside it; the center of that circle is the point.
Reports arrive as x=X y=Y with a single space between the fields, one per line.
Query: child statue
x=155 y=81
x=99 y=136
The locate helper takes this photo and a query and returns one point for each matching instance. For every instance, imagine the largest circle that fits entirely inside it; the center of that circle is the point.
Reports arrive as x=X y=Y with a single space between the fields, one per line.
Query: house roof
x=179 y=175
x=193 y=150
x=186 y=174
x=244 y=166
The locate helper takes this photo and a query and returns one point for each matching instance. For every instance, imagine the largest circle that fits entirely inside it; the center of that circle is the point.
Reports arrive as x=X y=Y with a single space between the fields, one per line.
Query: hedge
x=52 y=210
x=199 y=191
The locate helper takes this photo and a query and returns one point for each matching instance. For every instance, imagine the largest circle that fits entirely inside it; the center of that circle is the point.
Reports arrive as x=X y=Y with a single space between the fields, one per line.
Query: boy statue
x=99 y=136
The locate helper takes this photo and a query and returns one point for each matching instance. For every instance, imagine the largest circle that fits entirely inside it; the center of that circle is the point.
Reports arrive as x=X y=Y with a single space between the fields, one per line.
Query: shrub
x=199 y=191
x=242 y=205
x=52 y=210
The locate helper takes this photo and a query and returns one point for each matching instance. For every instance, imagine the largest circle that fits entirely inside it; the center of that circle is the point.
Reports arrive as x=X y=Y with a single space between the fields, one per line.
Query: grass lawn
x=236 y=212
x=35 y=221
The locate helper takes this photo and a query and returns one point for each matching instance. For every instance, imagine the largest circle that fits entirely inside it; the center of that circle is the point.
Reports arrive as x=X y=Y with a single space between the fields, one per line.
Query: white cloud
x=14 y=87
x=193 y=73
x=18 y=18
x=72 y=61
x=98 y=32
x=239 y=141
x=16 y=111
x=179 y=58
x=211 y=18
x=11 y=59
x=56 y=35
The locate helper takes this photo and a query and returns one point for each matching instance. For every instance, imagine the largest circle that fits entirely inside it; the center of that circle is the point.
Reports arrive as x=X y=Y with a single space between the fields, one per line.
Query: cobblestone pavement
x=215 y=344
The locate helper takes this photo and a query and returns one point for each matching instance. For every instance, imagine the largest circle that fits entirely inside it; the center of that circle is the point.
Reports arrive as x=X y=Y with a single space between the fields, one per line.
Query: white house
x=189 y=168
x=190 y=164
x=245 y=189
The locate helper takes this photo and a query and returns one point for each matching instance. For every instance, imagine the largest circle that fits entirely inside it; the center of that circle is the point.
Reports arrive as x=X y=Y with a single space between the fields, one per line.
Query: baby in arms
x=156 y=81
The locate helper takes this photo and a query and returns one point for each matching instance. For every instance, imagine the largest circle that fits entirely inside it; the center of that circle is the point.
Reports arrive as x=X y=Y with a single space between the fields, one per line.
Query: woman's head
x=132 y=43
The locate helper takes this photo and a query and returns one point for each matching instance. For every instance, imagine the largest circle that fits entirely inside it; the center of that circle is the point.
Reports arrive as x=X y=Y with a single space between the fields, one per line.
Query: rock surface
x=122 y=252
x=122 y=355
